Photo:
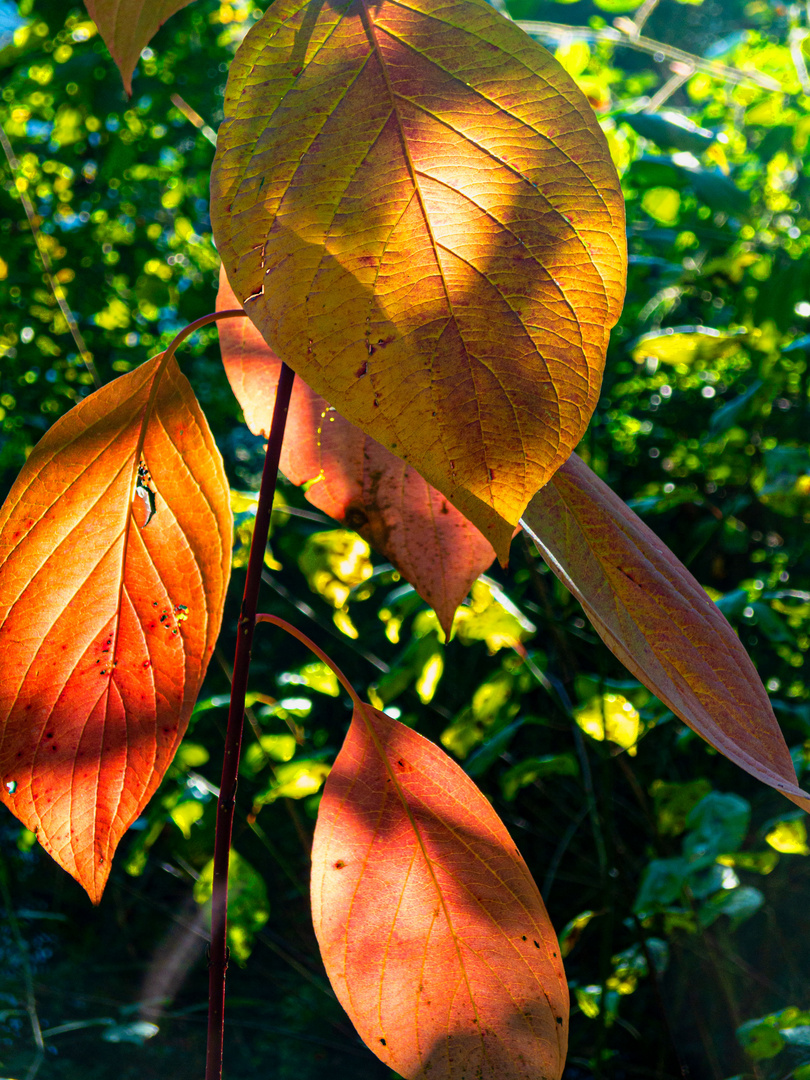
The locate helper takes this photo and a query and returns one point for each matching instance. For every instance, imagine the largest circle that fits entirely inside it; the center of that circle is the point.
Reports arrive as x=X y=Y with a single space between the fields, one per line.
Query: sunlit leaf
x=653 y=615
x=686 y=345
x=433 y=933
x=611 y=717
x=418 y=209
x=295 y=780
x=789 y=837
x=353 y=478
x=107 y=624
x=128 y=26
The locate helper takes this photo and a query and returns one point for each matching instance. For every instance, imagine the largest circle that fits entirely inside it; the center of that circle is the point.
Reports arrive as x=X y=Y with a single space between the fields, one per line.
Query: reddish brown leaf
x=357 y=481
x=433 y=933
x=127 y=27
x=107 y=624
x=653 y=615
x=444 y=227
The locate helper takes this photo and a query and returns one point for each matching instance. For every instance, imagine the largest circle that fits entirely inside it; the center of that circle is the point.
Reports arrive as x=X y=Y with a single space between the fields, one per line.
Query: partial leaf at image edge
x=439 y=248
x=107 y=623
x=433 y=933
x=128 y=27
x=656 y=619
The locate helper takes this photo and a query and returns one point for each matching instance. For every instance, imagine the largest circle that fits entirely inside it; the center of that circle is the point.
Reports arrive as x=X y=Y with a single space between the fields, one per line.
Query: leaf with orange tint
x=433 y=933
x=444 y=227
x=654 y=616
x=354 y=479
x=127 y=27
x=107 y=624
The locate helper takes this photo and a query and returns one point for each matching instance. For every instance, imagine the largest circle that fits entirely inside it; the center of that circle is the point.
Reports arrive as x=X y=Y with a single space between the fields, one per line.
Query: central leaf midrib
x=369 y=27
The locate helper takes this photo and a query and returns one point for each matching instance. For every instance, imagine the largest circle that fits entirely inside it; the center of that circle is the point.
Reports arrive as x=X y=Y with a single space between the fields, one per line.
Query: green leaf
x=661 y=884
x=248 y=905
x=670 y=130
x=739 y=904
x=717 y=824
x=526 y=772
x=760 y=1039
x=673 y=801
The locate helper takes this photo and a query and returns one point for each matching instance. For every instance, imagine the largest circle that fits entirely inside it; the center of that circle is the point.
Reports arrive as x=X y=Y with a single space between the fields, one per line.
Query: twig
x=683 y=73
x=194 y=118
x=643 y=13
x=56 y=288
x=560 y=32
x=233 y=737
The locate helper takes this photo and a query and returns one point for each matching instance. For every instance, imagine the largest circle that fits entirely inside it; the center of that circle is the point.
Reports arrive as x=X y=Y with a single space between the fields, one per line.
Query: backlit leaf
x=354 y=479
x=128 y=26
x=653 y=615
x=419 y=211
x=107 y=624
x=434 y=936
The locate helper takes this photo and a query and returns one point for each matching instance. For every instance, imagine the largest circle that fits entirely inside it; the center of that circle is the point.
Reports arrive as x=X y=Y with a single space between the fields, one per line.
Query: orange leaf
x=127 y=27
x=653 y=615
x=445 y=229
x=433 y=933
x=354 y=479
x=107 y=624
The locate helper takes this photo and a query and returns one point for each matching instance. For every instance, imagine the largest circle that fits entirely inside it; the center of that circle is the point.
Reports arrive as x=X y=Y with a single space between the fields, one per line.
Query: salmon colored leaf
x=107 y=623
x=353 y=478
x=433 y=933
x=444 y=227
x=653 y=615
x=127 y=27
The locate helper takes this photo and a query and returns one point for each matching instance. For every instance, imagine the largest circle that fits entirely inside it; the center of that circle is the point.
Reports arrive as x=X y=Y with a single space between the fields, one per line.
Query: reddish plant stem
x=233 y=736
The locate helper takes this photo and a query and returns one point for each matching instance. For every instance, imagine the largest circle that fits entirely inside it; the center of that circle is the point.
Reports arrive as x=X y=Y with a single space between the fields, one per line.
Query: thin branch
x=643 y=13
x=233 y=737
x=671 y=86
x=194 y=118
x=560 y=32
x=56 y=288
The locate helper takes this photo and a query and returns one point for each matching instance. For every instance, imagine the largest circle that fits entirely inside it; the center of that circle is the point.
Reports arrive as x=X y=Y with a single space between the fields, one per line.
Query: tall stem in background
x=233 y=736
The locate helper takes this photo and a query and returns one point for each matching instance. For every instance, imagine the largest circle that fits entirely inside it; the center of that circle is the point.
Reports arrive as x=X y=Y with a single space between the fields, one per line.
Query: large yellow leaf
x=112 y=585
x=654 y=616
x=127 y=27
x=433 y=933
x=444 y=228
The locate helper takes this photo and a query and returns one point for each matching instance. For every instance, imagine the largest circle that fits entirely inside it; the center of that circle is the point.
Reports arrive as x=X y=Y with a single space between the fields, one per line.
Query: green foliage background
x=682 y=885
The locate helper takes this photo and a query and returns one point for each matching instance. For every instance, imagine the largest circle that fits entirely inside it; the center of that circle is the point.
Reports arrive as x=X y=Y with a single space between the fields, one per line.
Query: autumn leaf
x=114 y=560
x=127 y=27
x=444 y=227
x=654 y=616
x=354 y=479
x=432 y=931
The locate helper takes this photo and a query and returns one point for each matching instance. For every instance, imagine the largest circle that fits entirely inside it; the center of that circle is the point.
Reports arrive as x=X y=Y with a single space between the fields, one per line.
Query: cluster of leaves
x=662 y=878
